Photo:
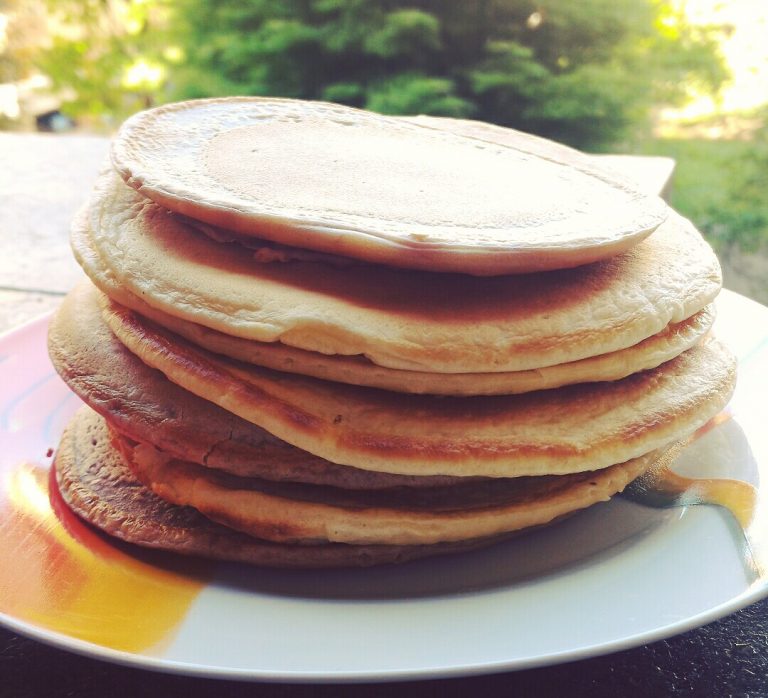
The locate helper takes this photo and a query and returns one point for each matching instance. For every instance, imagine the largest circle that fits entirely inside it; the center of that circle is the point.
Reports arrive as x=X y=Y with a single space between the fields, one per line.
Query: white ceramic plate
x=619 y=575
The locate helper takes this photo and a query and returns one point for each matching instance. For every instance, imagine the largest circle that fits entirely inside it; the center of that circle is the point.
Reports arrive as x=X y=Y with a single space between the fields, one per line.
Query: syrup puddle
x=59 y=574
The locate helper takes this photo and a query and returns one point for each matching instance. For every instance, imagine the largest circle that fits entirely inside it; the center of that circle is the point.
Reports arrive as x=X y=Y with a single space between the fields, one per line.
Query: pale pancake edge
x=441 y=323
x=581 y=427
x=356 y=370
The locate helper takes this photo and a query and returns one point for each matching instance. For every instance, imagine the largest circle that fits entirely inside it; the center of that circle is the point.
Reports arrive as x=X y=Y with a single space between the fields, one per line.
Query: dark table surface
x=43 y=181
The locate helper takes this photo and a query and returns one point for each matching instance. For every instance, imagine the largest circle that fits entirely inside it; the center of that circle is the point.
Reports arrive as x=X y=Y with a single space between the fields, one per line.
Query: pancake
x=357 y=370
x=438 y=323
x=98 y=486
x=399 y=272
x=381 y=189
x=571 y=429
x=290 y=513
x=144 y=405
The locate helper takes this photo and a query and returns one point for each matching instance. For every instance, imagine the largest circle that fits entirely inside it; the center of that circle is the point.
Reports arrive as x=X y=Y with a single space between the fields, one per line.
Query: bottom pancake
x=300 y=513
x=98 y=486
x=296 y=513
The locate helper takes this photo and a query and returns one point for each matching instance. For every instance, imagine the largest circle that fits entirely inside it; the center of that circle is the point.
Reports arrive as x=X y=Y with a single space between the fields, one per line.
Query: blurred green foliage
x=589 y=73
x=582 y=72
x=586 y=72
x=741 y=219
x=722 y=185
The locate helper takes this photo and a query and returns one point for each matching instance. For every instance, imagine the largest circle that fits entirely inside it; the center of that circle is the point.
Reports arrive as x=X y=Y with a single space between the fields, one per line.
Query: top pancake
x=382 y=189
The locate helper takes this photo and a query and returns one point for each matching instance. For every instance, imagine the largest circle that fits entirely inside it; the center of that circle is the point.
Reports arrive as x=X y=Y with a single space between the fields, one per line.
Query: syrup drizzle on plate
x=663 y=488
x=59 y=574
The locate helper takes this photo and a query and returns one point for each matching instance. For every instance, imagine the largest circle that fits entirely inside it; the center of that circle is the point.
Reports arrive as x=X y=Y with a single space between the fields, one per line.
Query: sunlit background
x=744 y=46
x=682 y=78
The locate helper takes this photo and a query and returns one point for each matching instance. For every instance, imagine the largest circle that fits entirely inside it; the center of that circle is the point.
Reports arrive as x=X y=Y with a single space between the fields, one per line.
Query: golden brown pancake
x=294 y=513
x=571 y=429
x=381 y=189
x=98 y=486
x=440 y=323
x=357 y=370
x=144 y=405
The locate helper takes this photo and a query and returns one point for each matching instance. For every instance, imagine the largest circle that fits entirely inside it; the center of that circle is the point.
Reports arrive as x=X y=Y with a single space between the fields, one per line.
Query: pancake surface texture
x=308 y=514
x=381 y=189
x=357 y=370
x=98 y=486
x=141 y=403
x=571 y=429
x=442 y=323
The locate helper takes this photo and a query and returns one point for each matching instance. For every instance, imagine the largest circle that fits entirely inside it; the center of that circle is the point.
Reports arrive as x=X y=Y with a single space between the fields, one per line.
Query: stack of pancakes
x=317 y=336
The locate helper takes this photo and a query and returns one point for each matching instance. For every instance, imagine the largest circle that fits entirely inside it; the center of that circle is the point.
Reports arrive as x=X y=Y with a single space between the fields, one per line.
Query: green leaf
x=343 y=92
x=412 y=93
x=404 y=32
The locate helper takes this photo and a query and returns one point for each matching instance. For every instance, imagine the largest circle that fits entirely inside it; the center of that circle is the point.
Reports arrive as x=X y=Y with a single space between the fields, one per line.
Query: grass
x=703 y=173
x=704 y=190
